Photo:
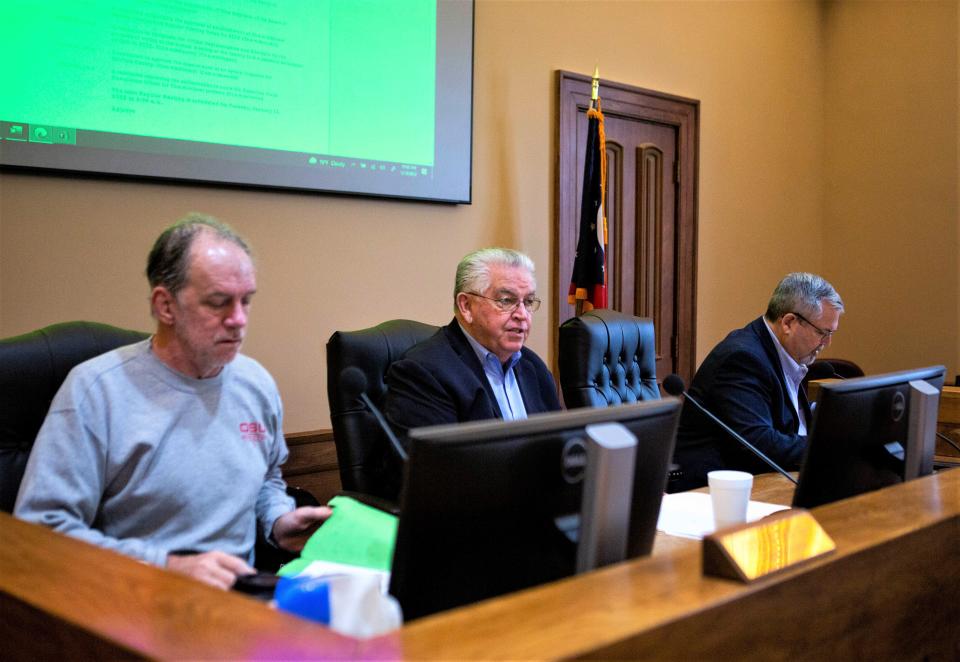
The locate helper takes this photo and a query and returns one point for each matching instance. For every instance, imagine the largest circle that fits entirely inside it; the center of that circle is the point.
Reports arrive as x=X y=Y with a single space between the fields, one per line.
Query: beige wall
x=891 y=214
x=74 y=248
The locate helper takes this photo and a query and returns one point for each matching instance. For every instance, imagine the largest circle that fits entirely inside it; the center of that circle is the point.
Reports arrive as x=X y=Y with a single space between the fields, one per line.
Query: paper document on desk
x=355 y=535
x=690 y=514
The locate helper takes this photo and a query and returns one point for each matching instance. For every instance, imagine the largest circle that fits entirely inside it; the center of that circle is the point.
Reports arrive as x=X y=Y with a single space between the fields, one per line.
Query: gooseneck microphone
x=673 y=384
x=354 y=385
x=820 y=369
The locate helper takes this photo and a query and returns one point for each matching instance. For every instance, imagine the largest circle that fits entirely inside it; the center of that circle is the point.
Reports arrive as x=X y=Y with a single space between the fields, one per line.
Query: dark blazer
x=742 y=383
x=440 y=380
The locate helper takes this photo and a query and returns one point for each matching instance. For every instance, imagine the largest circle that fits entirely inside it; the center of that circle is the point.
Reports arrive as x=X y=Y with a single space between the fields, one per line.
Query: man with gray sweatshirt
x=169 y=450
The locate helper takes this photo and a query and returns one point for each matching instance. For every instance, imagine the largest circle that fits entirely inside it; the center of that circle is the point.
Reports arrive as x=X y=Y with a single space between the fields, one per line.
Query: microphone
x=673 y=384
x=821 y=370
x=354 y=385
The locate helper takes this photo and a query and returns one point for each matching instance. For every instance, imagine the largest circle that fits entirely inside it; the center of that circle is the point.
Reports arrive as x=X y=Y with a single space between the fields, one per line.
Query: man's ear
x=786 y=326
x=464 y=307
x=162 y=304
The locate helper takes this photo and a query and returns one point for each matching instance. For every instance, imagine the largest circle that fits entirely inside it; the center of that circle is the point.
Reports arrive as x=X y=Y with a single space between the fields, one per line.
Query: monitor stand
x=607 y=496
x=921 y=429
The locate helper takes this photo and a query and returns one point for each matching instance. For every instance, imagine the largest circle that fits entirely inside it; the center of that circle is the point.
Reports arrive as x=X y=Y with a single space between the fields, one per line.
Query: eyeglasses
x=826 y=334
x=509 y=304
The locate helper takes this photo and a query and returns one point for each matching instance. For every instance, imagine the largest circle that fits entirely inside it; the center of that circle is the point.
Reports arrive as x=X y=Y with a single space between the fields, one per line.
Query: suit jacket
x=741 y=381
x=440 y=380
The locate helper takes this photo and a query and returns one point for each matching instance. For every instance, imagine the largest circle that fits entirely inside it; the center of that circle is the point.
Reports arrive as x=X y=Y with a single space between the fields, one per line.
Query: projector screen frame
x=176 y=161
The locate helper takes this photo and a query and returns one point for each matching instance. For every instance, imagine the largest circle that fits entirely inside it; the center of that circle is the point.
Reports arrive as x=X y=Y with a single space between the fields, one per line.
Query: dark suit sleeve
x=415 y=398
x=746 y=395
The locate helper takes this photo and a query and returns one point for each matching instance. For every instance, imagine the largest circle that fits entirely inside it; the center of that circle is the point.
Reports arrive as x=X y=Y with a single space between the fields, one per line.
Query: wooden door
x=651 y=209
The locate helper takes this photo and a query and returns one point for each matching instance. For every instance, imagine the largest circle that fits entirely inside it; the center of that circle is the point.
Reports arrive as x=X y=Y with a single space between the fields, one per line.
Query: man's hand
x=215 y=568
x=291 y=530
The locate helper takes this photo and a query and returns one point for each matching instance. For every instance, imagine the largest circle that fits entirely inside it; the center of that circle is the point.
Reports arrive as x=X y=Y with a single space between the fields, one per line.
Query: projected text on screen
x=343 y=84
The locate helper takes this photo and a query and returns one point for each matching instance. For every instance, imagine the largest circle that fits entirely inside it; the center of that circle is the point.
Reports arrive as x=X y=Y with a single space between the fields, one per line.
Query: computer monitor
x=486 y=507
x=868 y=433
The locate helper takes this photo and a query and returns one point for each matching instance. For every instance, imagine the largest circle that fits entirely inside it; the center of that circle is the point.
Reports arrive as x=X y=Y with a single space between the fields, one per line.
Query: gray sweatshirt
x=139 y=458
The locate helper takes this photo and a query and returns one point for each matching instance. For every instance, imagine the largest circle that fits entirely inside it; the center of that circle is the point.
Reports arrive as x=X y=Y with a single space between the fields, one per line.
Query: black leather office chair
x=368 y=464
x=830 y=368
x=607 y=358
x=32 y=368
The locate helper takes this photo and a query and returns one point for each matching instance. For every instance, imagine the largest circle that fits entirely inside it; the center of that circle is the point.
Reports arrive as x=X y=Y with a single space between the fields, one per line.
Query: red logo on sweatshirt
x=253 y=431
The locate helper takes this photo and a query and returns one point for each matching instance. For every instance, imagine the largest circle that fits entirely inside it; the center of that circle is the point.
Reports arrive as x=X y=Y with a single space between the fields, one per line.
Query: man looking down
x=751 y=381
x=169 y=450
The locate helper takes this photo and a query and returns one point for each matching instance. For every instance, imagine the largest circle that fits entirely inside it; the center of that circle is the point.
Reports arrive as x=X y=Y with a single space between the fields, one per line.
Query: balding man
x=169 y=450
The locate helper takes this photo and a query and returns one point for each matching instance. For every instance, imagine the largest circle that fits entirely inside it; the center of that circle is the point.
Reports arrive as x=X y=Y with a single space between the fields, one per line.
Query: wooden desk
x=948 y=423
x=889 y=592
x=769 y=488
x=62 y=598
x=950 y=405
x=882 y=595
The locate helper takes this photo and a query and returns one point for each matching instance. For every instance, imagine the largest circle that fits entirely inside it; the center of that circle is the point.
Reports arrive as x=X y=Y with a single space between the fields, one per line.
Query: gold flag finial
x=595 y=87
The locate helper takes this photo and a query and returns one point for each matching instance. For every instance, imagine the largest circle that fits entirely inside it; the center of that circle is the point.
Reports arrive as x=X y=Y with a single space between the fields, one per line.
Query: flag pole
x=595 y=87
x=594 y=95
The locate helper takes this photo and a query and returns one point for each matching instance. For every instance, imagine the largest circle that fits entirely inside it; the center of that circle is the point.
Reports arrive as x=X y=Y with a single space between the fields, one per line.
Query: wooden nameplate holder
x=767 y=546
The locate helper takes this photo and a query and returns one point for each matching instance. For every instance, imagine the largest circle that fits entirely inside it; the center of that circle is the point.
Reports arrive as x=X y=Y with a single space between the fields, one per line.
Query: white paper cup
x=729 y=494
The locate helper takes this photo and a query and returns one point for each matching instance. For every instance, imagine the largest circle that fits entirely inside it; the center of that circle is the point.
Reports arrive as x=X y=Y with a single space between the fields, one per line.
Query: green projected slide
x=373 y=97
x=346 y=77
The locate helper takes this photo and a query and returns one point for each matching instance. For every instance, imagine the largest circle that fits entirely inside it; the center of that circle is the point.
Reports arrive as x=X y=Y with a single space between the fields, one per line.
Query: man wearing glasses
x=751 y=381
x=476 y=367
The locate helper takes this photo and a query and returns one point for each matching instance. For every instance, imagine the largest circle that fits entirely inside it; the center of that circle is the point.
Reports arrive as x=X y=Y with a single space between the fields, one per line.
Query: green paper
x=355 y=534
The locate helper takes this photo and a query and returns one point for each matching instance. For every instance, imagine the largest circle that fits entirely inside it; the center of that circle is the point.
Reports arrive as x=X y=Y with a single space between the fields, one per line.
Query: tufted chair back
x=607 y=358
x=32 y=368
x=366 y=460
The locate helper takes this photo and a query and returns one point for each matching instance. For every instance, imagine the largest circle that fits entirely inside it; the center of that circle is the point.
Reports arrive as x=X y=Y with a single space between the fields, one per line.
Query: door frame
x=634 y=103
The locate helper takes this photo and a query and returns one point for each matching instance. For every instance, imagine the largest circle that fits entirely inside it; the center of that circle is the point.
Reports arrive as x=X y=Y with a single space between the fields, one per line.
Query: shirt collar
x=793 y=371
x=486 y=355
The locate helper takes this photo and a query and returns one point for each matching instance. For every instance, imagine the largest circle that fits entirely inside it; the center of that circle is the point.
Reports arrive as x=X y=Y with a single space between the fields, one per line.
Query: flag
x=589 y=281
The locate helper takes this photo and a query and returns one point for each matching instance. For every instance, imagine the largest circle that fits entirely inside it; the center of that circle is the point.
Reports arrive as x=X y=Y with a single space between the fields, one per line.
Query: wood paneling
x=312 y=464
x=950 y=406
x=948 y=424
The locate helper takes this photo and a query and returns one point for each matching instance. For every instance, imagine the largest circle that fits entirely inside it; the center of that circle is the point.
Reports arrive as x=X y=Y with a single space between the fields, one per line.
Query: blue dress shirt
x=502 y=380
